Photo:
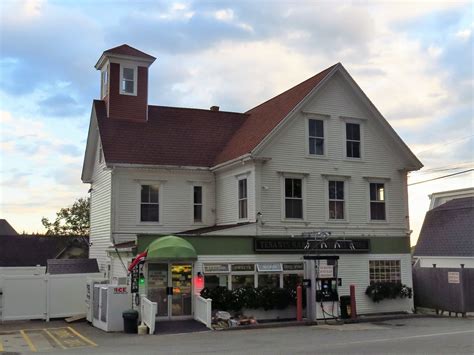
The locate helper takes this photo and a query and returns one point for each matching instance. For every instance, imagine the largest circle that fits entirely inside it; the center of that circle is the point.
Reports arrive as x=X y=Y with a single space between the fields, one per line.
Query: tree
x=72 y=220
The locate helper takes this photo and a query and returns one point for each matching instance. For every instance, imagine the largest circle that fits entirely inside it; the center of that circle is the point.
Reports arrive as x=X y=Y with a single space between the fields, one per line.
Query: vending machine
x=109 y=302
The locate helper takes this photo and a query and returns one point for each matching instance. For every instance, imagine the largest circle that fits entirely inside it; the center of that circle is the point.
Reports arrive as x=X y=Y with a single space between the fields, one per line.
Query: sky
x=414 y=60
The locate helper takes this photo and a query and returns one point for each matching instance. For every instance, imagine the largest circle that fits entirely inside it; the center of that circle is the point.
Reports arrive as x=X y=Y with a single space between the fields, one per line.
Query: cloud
x=60 y=105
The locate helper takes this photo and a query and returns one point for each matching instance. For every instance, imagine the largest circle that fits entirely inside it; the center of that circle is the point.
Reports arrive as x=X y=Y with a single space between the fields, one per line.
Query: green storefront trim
x=244 y=245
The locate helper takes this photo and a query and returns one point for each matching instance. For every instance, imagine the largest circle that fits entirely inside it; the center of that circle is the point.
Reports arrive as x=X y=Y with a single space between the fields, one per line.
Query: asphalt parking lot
x=441 y=335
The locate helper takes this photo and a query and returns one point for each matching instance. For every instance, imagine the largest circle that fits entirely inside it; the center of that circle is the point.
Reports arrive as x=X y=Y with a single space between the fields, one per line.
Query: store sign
x=262 y=267
x=120 y=290
x=453 y=277
x=213 y=268
x=326 y=272
x=293 y=267
x=243 y=267
x=276 y=245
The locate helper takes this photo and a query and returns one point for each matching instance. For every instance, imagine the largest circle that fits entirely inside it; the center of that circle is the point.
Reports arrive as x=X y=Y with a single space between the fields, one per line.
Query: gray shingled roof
x=6 y=228
x=448 y=230
x=72 y=266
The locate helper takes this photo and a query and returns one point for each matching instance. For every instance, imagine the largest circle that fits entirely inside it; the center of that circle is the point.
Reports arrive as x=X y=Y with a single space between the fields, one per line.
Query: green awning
x=170 y=248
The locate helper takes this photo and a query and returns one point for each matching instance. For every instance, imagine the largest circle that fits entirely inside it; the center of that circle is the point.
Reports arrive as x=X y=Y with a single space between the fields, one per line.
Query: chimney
x=214 y=108
x=124 y=82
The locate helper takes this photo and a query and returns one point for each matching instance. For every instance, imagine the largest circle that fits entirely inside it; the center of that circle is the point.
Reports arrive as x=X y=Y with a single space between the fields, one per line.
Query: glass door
x=181 y=283
x=158 y=290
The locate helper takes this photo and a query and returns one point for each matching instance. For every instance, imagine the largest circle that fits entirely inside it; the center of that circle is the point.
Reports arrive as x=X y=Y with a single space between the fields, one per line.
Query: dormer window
x=128 y=82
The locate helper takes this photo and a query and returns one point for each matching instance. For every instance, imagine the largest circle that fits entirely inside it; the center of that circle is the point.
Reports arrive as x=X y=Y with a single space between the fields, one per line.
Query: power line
x=442 y=144
x=445 y=168
x=441 y=177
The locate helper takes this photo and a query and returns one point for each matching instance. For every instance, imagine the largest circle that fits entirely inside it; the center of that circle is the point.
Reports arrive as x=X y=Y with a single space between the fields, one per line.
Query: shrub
x=379 y=291
x=249 y=297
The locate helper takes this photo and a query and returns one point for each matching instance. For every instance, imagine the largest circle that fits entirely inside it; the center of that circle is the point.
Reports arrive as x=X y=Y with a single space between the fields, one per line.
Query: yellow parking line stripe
x=28 y=340
x=1 y=346
x=54 y=338
x=87 y=340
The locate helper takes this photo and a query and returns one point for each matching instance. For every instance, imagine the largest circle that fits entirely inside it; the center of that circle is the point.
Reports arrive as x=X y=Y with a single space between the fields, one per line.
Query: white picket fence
x=148 y=312
x=203 y=310
x=43 y=296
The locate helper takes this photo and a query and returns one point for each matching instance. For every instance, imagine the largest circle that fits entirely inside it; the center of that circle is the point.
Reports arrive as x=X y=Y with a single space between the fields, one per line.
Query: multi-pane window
x=384 y=271
x=336 y=199
x=293 y=198
x=243 y=199
x=353 y=140
x=316 y=137
x=197 y=203
x=149 y=206
x=105 y=79
x=377 y=202
x=128 y=80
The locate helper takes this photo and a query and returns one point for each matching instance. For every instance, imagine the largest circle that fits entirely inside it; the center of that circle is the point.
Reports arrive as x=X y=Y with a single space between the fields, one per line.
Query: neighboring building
x=439 y=198
x=241 y=188
x=32 y=250
x=6 y=228
x=447 y=235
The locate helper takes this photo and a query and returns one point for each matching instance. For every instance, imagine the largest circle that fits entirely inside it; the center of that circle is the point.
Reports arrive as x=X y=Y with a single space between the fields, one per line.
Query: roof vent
x=214 y=108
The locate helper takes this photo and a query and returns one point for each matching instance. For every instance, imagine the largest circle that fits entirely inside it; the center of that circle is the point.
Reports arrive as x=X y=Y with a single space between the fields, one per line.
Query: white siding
x=287 y=153
x=176 y=201
x=100 y=213
x=227 y=193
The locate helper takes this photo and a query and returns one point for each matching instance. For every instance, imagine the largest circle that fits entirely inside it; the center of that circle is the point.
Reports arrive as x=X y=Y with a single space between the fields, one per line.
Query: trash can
x=130 y=321
x=345 y=304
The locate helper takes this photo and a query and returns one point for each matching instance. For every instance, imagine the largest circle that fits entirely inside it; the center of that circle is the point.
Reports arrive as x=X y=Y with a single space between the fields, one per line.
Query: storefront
x=169 y=277
x=178 y=268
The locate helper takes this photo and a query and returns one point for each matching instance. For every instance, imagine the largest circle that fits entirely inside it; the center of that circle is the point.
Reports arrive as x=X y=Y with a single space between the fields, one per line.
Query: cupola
x=124 y=82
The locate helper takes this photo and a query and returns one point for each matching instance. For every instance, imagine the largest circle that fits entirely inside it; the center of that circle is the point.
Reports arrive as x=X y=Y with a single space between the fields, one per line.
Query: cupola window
x=128 y=81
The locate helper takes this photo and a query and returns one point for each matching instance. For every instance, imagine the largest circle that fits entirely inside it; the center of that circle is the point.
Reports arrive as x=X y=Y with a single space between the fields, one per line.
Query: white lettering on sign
x=326 y=272
x=453 y=277
x=120 y=290
x=269 y=267
x=210 y=268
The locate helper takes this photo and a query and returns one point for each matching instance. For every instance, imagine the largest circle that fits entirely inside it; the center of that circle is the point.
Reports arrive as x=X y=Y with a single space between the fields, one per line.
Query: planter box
x=272 y=314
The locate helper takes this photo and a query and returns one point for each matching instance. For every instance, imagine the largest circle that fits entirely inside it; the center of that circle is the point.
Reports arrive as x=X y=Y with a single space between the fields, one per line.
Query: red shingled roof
x=194 y=137
x=125 y=49
x=171 y=136
x=265 y=117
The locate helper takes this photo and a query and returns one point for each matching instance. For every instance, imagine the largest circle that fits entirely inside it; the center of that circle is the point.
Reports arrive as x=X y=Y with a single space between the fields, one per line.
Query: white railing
x=203 y=310
x=148 y=313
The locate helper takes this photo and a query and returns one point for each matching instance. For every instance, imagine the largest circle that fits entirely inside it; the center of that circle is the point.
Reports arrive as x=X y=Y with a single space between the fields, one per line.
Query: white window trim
x=361 y=123
x=385 y=182
x=203 y=203
x=324 y=119
x=239 y=178
x=135 y=79
x=160 y=184
x=303 y=178
x=345 y=179
x=385 y=258
x=104 y=86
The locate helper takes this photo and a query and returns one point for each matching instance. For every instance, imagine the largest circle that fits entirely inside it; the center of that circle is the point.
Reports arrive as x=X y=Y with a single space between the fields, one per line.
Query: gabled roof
x=6 y=228
x=205 y=138
x=263 y=118
x=171 y=136
x=448 y=230
x=125 y=49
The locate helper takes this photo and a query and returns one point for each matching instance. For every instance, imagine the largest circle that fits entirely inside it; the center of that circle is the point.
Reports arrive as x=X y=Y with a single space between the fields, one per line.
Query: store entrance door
x=170 y=286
